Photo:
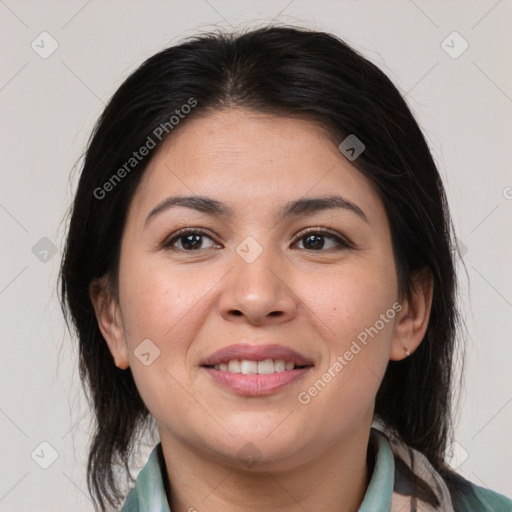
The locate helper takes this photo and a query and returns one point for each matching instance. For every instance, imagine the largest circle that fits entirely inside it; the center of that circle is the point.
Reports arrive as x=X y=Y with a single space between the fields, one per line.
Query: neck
x=335 y=480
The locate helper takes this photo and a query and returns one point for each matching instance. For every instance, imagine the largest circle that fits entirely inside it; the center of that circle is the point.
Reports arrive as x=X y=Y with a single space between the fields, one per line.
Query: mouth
x=256 y=370
x=251 y=367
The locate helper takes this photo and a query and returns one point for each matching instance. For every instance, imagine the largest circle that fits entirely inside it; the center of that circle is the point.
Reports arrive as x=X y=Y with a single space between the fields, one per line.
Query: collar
x=380 y=489
x=148 y=495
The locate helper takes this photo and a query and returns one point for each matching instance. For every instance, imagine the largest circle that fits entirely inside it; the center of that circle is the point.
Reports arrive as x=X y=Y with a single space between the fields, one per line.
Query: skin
x=190 y=304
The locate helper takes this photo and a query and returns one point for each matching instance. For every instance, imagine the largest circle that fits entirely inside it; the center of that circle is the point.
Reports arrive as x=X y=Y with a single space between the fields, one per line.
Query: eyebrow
x=303 y=206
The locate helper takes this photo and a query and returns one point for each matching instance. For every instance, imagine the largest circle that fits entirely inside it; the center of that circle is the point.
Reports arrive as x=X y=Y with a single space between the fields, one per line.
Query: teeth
x=266 y=366
x=248 y=367
x=280 y=365
x=233 y=366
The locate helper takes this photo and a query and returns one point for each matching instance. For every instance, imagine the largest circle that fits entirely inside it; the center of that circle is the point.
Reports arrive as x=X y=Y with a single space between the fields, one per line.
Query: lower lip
x=256 y=384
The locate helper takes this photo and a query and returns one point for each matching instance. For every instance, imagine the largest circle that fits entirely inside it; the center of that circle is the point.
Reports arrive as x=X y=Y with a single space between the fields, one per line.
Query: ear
x=108 y=315
x=412 y=320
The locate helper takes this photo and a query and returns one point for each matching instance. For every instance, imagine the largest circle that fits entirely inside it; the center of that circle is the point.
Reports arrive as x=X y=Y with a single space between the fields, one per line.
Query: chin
x=261 y=452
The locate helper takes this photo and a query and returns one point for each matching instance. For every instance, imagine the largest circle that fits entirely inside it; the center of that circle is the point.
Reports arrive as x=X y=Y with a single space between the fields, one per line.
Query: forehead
x=252 y=161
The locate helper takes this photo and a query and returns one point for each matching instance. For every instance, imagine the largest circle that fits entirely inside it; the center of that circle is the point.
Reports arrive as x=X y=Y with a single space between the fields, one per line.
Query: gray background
x=48 y=109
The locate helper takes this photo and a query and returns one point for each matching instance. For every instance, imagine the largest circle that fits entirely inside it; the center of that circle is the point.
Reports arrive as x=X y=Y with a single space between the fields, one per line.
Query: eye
x=190 y=239
x=315 y=239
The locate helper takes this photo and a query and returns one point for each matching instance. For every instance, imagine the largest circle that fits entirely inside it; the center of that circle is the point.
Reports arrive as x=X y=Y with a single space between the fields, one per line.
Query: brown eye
x=315 y=240
x=190 y=240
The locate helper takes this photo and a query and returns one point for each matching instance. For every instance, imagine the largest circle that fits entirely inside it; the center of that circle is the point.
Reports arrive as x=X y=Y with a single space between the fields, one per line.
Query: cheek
x=158 y=300
x=351 y=298
x=164 y=305
x=354 y=311
x=167 y=304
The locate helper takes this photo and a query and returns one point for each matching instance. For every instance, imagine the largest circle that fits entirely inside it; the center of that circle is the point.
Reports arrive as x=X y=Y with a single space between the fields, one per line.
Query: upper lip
x=256 y=353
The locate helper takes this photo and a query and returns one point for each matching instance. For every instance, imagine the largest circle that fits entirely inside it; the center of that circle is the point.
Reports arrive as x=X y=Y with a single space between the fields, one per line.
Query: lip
x=256 y=384
x=256 y=353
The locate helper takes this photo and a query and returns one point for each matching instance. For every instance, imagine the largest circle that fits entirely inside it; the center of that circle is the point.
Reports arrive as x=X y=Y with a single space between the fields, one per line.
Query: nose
x=257 y=292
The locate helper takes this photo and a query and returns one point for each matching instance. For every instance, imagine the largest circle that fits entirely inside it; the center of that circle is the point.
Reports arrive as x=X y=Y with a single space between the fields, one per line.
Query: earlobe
x=108 y=316
x=412 y=321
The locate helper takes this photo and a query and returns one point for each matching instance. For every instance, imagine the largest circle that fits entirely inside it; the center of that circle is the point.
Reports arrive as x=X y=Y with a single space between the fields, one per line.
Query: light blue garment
x=148 y=495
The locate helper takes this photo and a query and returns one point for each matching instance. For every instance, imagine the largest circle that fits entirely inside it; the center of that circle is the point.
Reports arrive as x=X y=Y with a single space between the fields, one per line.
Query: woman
x=259 y=261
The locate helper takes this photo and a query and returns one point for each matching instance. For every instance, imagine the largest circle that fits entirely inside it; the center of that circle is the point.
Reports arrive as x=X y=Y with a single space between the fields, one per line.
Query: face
x=315 y=287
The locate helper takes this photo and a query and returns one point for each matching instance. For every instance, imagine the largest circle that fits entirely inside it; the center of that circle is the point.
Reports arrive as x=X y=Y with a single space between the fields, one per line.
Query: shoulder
x=468 y=497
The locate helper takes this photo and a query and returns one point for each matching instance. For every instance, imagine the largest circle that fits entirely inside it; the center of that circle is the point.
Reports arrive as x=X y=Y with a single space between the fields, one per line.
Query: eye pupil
x=318 y=242
x=189 y=244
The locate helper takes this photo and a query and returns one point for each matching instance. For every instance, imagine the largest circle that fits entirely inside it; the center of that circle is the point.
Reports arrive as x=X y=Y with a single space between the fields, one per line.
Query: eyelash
x=343 y=243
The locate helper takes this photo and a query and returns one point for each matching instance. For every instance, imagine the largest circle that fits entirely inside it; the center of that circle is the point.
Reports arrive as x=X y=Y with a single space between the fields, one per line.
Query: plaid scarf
x=418 y=487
